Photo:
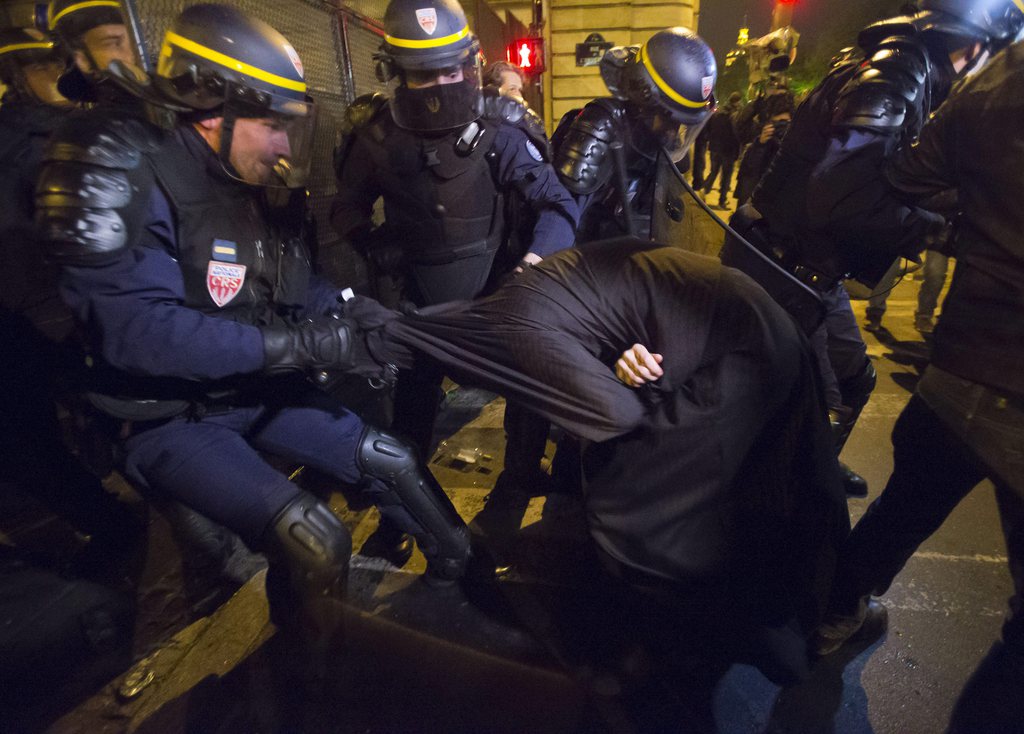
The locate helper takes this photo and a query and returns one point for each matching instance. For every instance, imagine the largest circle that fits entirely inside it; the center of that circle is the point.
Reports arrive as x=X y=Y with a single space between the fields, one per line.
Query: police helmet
x=674 y=71
x=21 y=47
x=71 y=19
x=220 y=62
x=672 y=76
x=23 y=14
x=994 y=23
x=432 y=61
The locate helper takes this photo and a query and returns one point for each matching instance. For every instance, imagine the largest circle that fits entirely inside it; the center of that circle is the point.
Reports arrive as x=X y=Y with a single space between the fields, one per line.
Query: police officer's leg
x=526 y=437
x=417 y=399
x=854 y=373
x=209 y=466
x=322 y=434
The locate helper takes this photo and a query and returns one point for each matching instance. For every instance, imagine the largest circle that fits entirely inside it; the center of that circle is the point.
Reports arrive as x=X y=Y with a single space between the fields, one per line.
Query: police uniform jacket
x=440 y=202
x=209 y=263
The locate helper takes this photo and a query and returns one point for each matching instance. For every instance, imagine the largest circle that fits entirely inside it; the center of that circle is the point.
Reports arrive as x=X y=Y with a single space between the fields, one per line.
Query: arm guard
x=358 y=116
x=94 y=187
x=889 y=91
x=499 y=108
x=583 y=160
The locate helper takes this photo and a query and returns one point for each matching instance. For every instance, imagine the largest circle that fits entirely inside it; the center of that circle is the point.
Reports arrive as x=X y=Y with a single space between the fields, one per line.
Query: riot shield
x=680 y=218
x=677 y=219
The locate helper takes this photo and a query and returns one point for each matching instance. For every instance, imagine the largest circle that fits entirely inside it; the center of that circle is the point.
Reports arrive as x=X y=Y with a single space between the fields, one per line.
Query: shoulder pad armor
x=501 y=109
x=875 y=34
x=888 y=90
x=358 y=116
x=93 y=187
x=362 y=111
x=583 y=162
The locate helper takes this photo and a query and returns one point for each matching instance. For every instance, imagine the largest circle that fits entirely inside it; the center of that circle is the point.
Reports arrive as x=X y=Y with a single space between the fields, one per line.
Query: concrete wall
x=621 y=22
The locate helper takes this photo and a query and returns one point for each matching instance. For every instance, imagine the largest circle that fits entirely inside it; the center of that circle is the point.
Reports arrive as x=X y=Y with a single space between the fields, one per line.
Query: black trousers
x=933 y=471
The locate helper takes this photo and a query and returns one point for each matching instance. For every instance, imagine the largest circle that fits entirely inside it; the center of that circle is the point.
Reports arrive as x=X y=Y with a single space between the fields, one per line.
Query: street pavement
x=546 y=646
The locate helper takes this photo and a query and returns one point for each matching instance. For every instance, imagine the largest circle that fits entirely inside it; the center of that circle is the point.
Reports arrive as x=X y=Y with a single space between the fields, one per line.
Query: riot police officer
x=94 y=34
x=822 y=212
x=203 y=315
x=34 y=322
x=663 y=94
x=442 y=155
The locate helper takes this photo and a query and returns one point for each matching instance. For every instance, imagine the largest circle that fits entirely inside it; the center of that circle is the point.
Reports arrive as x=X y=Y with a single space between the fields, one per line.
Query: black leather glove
x=372 y=318
x=329 y=343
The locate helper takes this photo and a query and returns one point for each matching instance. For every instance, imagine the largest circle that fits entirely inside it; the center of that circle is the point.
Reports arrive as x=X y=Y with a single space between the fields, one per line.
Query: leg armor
x=309 y=550
x=411 y=498
x=855 y=391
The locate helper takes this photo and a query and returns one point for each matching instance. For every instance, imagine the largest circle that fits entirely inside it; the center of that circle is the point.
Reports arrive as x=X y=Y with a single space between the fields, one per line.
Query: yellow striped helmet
x=427 y=34
x=70 y=19
x=20 y=47
x=675 y=71
x=219 y=61
x=212 y=50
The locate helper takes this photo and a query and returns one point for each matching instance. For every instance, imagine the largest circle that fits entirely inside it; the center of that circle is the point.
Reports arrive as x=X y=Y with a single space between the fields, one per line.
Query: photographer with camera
x=774 y=122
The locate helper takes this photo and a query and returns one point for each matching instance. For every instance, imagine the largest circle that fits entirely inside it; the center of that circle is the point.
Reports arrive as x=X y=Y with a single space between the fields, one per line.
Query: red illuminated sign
x=528 y=54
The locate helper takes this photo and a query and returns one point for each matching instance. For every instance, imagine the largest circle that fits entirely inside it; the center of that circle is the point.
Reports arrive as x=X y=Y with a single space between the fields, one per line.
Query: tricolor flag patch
x=224 y=251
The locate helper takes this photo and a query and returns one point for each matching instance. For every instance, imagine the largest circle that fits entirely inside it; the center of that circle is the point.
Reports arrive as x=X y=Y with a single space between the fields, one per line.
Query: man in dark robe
x=714 y=482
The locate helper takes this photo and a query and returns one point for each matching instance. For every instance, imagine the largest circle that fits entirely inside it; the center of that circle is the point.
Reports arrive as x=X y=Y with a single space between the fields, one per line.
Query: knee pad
x=314 y=546
x=409 y=496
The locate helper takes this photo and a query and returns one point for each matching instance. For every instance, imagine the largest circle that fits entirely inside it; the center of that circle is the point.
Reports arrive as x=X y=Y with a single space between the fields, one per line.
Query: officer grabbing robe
x=444 y=158
x=734 y=512
x=203 y=314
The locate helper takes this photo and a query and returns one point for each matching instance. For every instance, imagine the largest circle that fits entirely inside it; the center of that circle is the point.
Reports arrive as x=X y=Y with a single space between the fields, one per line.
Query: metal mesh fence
x=314 y=29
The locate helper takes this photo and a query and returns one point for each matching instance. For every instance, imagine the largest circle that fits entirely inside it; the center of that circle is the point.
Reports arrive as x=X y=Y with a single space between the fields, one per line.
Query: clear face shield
x=439 y=99
x=267 y=139
x=675 y=135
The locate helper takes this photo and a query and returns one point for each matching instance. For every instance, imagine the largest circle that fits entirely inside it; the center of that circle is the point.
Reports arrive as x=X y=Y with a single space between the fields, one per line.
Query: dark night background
x=825 y=26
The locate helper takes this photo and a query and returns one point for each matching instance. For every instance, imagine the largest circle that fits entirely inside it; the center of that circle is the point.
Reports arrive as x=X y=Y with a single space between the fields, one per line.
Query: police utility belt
x=749 y=222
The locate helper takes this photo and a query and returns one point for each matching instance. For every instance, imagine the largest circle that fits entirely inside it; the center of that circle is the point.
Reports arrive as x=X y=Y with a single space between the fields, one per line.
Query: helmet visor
x=437 y=100
x=674 y=136
x=268 y=138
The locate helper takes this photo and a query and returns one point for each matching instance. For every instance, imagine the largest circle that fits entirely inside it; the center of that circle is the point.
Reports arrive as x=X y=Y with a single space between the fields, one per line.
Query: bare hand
x=767 y=132
x=530 y=258
x=637 y=366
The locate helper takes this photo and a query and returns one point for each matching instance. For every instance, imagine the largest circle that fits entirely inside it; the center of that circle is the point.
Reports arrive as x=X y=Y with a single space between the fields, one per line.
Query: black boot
x=389 y=542
x=854 y=484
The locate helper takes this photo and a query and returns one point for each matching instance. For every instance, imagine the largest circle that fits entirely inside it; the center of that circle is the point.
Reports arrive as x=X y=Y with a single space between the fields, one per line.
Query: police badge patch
x=533 y=151
x=224 y=281
x=707 y=84
x=296 y=61
x=427 y=18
